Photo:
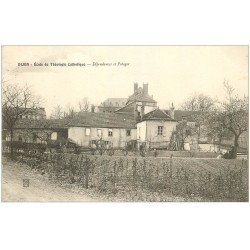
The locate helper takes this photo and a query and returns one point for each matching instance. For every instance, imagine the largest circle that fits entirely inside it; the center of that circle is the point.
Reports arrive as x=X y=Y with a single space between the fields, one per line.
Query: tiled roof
x=83 y=119
x=188 y=115
x=103 y=120
x=41 y=124
x=129 y=108
x=157 y=114
x=139 y=96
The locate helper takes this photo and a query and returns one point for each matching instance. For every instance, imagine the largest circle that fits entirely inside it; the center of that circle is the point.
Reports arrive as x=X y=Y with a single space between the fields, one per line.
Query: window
x=110 y=133
x=128 y=132
x=87 y=131
x=99 y=132
x=20 y=138
x=160 y=130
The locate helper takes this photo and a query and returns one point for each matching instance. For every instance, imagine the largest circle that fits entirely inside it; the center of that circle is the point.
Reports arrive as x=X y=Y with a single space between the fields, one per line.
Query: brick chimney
x=145 y=88
x=135 y=87
x=172 y=111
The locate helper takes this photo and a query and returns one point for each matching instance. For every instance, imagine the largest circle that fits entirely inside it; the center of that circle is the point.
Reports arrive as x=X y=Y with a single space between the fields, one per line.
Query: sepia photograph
x=125 y=124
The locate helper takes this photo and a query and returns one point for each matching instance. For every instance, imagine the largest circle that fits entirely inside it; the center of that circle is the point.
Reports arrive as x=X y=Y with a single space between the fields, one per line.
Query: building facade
x=155 y=129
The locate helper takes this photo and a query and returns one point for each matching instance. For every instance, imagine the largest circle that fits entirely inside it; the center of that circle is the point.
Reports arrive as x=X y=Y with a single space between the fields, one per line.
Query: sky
x=173 y=73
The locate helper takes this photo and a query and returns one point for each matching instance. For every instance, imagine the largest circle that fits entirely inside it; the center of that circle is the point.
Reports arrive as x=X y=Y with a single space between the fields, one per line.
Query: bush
x=153 y=179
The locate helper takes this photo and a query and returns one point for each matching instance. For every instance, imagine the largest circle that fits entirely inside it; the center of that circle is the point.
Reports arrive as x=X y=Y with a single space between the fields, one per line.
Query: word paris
x=93 y=64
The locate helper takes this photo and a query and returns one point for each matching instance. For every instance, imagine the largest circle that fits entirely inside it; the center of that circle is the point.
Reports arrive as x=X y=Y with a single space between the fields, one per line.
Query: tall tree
x=84 y=105
x=232 y=116
x=183 y=131
x=198 y=102
x=16 y=101
x=203 y=105
x=70 y=112
x=57 y=113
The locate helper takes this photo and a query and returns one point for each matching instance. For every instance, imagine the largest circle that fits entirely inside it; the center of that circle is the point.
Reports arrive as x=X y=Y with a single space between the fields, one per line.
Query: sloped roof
x=140 y=96
x=180 y=114
x=103 y=120
x=157 y=114
x=41 y=124
x=129 y=108
x=83 y=119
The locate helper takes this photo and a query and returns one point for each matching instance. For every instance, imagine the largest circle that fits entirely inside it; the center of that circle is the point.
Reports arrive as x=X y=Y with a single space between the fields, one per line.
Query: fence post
x=87 y=173
x=171 y=174
x=115 y=175
x=134 y=171
x=186 y=182
x=145 y=183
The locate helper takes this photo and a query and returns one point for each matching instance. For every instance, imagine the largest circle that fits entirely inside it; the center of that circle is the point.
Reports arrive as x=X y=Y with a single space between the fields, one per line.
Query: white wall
x=118 y=139
x=152 y=130
x=141 y=131
x=147 y=131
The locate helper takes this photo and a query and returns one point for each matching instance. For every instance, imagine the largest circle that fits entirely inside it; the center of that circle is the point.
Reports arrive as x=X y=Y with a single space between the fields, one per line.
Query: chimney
x=135 y=87
x=172 y=111
x=92 y=108
x=145 y=88
x=136 y=113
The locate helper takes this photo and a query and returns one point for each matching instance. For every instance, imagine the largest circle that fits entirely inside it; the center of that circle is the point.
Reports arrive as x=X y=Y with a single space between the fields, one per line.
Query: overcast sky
x=172 y=72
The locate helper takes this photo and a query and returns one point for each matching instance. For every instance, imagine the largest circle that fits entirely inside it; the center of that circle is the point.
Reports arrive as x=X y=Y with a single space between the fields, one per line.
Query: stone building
x=155 y=129
x=139 y=103
x=114 y=128
x=138 y=120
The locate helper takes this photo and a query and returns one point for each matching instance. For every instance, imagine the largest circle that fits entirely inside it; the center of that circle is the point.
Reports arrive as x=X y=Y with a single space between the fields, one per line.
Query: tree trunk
x=236 y=146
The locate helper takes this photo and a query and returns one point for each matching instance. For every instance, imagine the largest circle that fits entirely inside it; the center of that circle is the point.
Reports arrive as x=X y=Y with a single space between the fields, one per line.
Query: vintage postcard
x=125 y=123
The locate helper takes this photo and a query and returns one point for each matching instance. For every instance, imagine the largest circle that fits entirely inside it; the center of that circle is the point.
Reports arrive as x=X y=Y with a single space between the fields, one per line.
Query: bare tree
x=16 y=101
x=70 y=112
x=84 y=105
x=57 y=113
x=203 y=105
x=214 y=127
x=232 y=116
x=183 y=131
x=198 y=102
x=229 y=90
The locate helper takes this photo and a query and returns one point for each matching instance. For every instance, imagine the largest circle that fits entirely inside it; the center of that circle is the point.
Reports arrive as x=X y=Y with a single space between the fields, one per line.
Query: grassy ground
x=105 y=178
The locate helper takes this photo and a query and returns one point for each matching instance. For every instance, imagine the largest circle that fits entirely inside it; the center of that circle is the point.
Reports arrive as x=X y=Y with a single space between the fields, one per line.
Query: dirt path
x=40 y=188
